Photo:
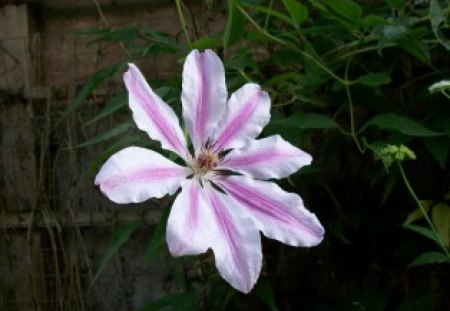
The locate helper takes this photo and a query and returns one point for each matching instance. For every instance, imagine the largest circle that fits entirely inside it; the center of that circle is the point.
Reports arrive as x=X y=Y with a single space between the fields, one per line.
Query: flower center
x=206 y=161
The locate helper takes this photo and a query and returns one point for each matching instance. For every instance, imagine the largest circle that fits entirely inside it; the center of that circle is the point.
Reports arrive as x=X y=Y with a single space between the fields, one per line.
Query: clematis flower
x=225 y=199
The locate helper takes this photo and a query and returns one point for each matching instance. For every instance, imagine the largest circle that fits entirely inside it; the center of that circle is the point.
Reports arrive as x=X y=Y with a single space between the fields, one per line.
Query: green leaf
x=283 y=78
x=375 y=146
x=441 y=220
x=439 y=148
x=418 y=302
x=119 y=129
x=93 y=82
x=162 y=39
x=123 y=35
x=178 y=301
x=297 y=11
x=417 y=48
x=117 y=102
x=346 y=9
x=336 y=229
x=417 y=213
x=424 y=231
x=120 y=236
x=387 y=189
x=395 y=3
x=269 y=12
x=391 y=121
x=374 y=20
x=91 y=31
x=393 y=32
x=437 y=17
x=206 y=43
x=264 y=291
x=429 y=258
x=158 y=240
x=443 y=124
x=308 y=120
x=235 y=24
x=374 y=79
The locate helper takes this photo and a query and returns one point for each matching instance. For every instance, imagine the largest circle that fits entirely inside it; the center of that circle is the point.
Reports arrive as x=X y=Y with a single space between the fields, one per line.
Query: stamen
x=206 y=161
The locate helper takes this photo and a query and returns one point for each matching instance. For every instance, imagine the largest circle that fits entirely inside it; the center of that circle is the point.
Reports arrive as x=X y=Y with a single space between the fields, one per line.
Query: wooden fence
x=55 y=225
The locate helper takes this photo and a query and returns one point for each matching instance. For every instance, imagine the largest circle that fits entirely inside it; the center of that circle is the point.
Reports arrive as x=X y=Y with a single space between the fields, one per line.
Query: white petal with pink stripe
x=248 y=111
x=135 y=174
x=236 y=244
x=204 y=95
x=152 y=114
x=203 y=218
x=191 y=224
x=270 y=157
x=278 y=214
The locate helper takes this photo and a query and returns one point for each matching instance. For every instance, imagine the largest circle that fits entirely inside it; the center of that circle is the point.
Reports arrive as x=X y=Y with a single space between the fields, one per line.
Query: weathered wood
x=80 y=219
x=18 y=179
x=28 y=268
x=18 y=187
x=18 y=183
x=14 y=25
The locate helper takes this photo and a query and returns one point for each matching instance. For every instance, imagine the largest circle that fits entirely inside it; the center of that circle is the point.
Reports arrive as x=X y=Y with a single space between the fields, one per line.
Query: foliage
x=347 y=79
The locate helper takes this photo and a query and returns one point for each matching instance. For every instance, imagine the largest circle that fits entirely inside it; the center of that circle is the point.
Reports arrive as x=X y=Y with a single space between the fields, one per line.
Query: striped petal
x=278 y=214
x=236 y=244
x=152 y=115
x=203 y=218
x=248 y=111
x=267 y=158
x=204 y=94
x=190 y=224
x=135 y=174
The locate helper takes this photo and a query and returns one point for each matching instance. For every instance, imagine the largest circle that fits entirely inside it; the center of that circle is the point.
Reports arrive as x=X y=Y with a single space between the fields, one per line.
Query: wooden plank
x=80 y=219
x=28 y=269
x=14 y=25
x=18 y=177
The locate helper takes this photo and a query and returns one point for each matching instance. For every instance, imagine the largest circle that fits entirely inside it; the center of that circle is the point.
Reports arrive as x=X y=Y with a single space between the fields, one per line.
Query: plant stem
x=100 y=12
x=350 y=108
x=266 y=23
x=445 y=93
x=287 y=44
x=344 y=81
x=182 y=21
x=422 y=209
x=107 y=25
x=244 y=75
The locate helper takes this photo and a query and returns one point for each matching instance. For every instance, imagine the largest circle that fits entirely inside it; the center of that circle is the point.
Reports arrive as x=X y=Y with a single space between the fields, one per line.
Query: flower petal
x=237 y=244
x=190 y=224
x=203 y=218
x=266 y=158
x=135 y=174
x=153 y=115
x=278 y=214
x=204 y=94
x=248 y=111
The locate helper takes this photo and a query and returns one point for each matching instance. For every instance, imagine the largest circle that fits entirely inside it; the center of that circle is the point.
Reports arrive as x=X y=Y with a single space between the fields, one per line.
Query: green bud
x=393 y=153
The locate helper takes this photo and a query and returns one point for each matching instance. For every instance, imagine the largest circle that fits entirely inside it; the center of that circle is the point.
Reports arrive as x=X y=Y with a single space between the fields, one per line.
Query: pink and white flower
x=215 y=209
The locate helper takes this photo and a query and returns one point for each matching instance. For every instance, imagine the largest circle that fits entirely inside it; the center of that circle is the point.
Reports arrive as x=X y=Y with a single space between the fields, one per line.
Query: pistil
x=205 y=162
